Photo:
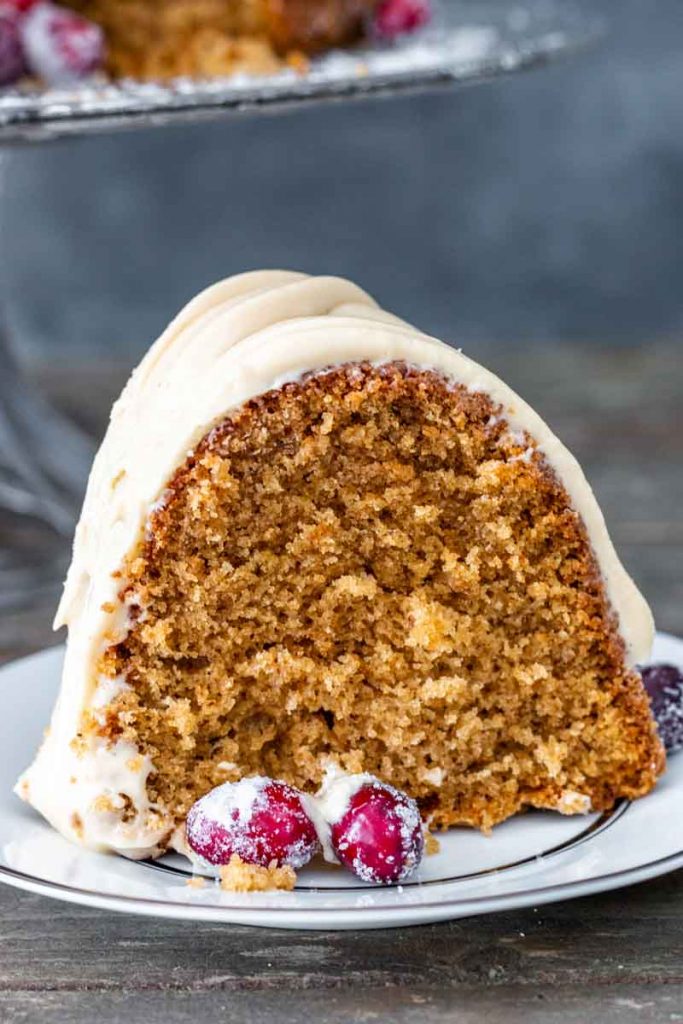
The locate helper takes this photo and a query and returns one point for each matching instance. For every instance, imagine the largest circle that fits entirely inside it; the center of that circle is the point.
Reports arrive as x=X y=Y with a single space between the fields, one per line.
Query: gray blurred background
x=543 y=207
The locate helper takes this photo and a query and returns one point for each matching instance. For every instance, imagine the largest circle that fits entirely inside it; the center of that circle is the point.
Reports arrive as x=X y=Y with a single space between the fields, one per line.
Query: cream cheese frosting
x=234 y=341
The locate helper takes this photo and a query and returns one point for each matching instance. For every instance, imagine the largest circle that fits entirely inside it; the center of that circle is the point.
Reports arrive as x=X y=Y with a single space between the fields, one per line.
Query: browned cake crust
x=315 y=25
x=159 y=39
x=368 y=566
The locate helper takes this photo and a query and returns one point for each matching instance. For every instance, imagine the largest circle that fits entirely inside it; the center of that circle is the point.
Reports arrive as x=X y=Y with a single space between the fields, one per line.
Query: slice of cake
x=314 y=535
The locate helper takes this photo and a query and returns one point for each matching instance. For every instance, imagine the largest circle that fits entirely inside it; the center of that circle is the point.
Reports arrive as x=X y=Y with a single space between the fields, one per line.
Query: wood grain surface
x=615 y=957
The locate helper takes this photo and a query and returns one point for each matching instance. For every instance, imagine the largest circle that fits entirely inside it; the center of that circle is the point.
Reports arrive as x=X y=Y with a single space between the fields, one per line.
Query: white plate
x=532 y=859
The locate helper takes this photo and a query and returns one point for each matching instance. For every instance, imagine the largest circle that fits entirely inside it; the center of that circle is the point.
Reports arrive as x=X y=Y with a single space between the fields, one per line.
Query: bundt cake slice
x=314 y=535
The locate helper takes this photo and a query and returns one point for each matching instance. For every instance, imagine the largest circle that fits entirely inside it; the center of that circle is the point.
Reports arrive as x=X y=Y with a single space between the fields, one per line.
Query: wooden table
x=616 y=957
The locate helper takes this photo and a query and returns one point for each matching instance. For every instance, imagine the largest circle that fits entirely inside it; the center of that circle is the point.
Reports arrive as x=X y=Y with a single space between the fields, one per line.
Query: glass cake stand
x=44 y=459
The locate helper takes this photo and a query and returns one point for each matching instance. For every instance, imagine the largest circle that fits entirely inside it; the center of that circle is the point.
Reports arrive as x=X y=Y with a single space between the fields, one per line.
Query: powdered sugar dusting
x=670 y=720
x=380 y=835
x=257 y=819
x=236 y=803
x=664 y=685
x=369 y=826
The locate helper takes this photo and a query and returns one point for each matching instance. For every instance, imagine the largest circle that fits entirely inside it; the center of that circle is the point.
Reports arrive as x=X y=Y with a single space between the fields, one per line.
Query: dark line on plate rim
x=624 y=872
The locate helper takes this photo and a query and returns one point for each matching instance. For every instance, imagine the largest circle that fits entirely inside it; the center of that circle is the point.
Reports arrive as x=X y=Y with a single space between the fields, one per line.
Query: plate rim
x=414 y=914
x=331 y=918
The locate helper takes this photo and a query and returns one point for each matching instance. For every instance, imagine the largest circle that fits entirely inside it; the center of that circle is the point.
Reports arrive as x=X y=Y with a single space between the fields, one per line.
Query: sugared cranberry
x=258 y=819
x=397 y=17
x=20 y=6
x=375 y=830
x=60 y=46
x=12 y=64
x=664 y=684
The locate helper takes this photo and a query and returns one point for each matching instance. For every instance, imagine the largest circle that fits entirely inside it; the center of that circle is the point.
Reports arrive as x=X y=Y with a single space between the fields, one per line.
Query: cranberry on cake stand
x=44 y=458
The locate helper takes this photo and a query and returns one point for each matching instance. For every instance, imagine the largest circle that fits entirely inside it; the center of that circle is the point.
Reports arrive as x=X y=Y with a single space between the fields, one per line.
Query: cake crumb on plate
x=432 y=844
x=238 y=876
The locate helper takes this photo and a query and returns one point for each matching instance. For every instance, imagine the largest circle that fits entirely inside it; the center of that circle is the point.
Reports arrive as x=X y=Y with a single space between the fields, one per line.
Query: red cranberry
x=258 y=819
x=19 y=6
x=12 y=64
x=379 y=833
x=60 y=45
x=664 y=685
x=397 y=17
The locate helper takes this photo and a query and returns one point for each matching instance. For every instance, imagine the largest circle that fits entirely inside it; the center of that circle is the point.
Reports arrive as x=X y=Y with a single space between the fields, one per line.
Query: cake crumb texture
x=358 y=567
x=238 y=876
x=161 y=39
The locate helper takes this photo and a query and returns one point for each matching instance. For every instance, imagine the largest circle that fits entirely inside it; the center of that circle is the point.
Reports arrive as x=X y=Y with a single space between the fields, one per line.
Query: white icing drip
x=236 y=340
x=107 y=691
x=517 y=437
x=525 y=456
x=105 y=789
x=336 y=792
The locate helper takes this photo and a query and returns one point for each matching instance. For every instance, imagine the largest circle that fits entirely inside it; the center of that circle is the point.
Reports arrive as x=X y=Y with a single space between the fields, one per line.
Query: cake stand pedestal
x=44 y=459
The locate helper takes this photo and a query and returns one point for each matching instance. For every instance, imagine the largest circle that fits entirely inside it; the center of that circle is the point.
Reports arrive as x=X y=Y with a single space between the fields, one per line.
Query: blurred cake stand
x=44 y=459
